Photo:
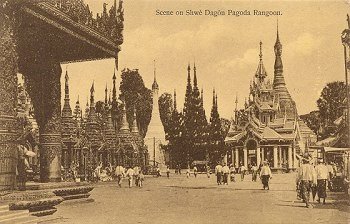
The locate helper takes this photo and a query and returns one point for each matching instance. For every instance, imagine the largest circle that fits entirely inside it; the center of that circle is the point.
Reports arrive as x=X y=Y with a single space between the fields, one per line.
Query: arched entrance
x=251 y=146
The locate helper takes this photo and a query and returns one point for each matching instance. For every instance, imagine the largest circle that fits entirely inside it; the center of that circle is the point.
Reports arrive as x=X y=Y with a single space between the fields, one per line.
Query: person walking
x=119 y=173
x=226 y=172
x=265 y=175
x=208 y=171
x=137 y=172
x=322 y=177
x=307 y=178
x=130 y=174
x=21 y=168
x=167 y=172
x=242 y=170
x=218 y=173
x=195 y=171
x=254 y=172
x=232 y=173
x=141 y=179
x=188 y=172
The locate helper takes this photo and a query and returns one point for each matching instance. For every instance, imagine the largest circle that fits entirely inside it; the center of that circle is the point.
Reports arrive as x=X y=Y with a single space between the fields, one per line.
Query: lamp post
x=345 y=38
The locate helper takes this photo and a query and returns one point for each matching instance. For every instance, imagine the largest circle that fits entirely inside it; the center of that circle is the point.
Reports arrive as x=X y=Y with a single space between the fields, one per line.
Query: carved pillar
x=245 y=156
x=232 y=157
x=258 y=158
x=275 y=158
x=295 y=161
x=290 y=160
x=236 y=157
x=45 y=90
x=279 y=156
x=8 y=101
x=263 y=154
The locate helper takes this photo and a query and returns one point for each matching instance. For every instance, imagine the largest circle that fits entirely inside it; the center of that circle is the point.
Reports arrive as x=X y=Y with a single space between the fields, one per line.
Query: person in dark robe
x=21 y=168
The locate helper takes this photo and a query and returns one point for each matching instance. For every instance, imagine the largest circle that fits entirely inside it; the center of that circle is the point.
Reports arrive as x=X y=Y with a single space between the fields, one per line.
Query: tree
x=165 y=109
x=216 y=136
x=136 y=95
x=312 y=120
x=176 y=148
x=329 y=104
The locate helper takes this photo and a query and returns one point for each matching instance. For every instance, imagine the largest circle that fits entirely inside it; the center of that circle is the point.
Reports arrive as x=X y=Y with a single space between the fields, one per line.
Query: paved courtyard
x=199 y=201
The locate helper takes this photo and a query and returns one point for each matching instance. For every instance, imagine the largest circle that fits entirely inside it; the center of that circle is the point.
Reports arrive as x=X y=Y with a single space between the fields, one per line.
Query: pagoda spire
x=188 y=74
x=155 y=84
x=194 y=75
x=202 y=98
x=124 y=127
x=175 y=103
x=66 y=85
x=66 y=110
x=92 y=93
x=134 y=128
x=109 y=97
x=279 y=84
x=106 y=91
x=236 y=110
x=214 y=97
x=261 y=71
x=114 y=96
x=77 y=110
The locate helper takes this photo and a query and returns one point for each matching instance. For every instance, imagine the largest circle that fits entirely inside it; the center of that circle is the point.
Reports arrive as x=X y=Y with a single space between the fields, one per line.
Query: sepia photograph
x=174 y=111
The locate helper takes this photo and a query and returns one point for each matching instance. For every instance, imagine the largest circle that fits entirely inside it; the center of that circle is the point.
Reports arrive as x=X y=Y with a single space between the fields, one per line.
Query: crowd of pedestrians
x=134 y=175
x=224 y=173
x=313 y=180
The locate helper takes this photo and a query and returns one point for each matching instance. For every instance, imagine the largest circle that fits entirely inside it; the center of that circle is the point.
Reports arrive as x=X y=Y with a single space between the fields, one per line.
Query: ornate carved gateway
x=36 y=36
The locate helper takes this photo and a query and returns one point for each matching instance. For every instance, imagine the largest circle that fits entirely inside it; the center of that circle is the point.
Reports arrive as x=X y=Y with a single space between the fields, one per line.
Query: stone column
x=263 y=154
x=236 y=158
x=295 y=161
x=232 y=157
x=275 y=158
x=245 y=157
x=290 y=158
x=8 y=101
x=258 y=158
x=225 y=158
x=280 y=156
x=45 y=91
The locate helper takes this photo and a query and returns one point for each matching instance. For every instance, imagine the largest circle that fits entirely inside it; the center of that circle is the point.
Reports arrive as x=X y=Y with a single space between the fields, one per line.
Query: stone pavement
x=200 y=201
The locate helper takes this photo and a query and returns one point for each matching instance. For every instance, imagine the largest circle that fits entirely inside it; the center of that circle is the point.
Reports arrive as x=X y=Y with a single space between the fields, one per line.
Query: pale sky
x=225 y=49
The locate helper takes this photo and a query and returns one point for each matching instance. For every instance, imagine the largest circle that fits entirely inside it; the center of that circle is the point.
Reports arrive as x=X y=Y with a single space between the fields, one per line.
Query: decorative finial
x=348 y=19
x=92 y=87
x=154 y=70
x=260 y=55
x=277 y=29
x=114 y=77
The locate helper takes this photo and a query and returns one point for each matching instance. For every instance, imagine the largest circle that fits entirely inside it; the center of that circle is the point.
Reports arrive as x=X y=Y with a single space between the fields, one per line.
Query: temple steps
x=20 y=217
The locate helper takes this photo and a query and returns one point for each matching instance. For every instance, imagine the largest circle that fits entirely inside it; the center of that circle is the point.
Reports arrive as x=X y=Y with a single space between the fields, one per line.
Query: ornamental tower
x=155 y=135
x=279 y=84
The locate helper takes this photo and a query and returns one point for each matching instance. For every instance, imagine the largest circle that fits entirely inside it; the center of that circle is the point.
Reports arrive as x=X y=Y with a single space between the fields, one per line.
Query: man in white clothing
x=322 y=177
x=307 y=178
x=218 y=173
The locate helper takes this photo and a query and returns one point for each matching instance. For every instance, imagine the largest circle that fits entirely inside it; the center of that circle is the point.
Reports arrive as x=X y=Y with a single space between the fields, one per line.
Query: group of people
x=223 y=172
x=313 y=179
x=135 y=175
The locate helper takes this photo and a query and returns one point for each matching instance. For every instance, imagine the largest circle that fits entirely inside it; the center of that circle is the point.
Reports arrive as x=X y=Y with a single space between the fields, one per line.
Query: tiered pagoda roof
x=68 y=123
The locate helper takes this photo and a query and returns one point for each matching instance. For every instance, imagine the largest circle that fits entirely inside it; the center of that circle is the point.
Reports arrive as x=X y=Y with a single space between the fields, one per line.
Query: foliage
x=331 y=101
x=165 y=109
x=136 y=95
x=312 y=120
